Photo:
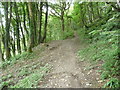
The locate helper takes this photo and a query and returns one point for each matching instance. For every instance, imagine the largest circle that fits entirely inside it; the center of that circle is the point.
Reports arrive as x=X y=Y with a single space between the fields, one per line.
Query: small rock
x=97 y=78
x=100 y=81
x=88 y=84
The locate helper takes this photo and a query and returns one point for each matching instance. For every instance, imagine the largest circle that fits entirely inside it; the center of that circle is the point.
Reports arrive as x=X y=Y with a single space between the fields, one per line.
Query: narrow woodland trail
x=66 y=71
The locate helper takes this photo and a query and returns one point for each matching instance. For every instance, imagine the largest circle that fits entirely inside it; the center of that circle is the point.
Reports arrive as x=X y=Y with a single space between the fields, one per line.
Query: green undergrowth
x=60 y=35
x=24 y=71
x=33 y=79
x=68 y=34
x=28 y=80
x=102 y=45
x=20 y=57
x=12 y=60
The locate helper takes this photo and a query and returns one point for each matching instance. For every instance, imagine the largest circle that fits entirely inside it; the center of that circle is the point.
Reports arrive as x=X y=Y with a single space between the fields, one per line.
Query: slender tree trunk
x=40 y=22
x=17 y=28
x=28 y=16
x=1 y=59
x=0 y=52
x=62 y=16
x=23 y=40
x=46 y=19
x=34 y=22
x=14 y=49
x=24 y=21
x=13 y=46
x=3 y=51
x=14 y=39
x=62 y=20
x=2 y=39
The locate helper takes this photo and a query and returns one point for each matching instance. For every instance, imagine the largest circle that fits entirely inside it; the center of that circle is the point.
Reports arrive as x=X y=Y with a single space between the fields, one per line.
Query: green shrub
x=104 y=46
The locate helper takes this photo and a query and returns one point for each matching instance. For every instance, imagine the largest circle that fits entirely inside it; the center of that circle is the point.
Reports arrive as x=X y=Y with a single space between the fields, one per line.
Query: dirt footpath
x=66 y=71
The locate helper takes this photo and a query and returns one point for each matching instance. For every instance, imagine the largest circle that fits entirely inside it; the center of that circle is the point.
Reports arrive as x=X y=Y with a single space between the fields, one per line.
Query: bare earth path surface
x=66 y=71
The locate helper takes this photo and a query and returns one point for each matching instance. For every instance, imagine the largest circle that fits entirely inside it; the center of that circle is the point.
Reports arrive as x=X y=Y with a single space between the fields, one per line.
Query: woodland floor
x=67 y=71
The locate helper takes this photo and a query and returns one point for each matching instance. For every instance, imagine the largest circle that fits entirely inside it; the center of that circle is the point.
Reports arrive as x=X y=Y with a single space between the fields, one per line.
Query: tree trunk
x=24 y=21
x=1 y=55
x=14 y=35
x=62 y=20
x=40 y=22
x=7 y=27
x=14 y=49
x=34 y=23
x=2 y=39
x=31 y=43
x=62 y=16
x=0 y=52
x=46 y=19
x=23 y=36
x=17 y=28
x=28 y=16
